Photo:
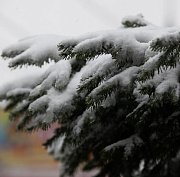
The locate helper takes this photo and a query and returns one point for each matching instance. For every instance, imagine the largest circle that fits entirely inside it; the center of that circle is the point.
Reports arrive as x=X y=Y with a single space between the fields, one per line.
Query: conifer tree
x=115 y=95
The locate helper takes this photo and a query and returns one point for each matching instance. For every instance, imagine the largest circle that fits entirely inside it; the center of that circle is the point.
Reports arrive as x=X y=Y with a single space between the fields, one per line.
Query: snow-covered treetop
x=106 y=89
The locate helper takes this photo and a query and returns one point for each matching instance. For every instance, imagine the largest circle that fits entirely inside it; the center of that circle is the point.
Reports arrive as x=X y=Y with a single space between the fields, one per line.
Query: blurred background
x=21 y=155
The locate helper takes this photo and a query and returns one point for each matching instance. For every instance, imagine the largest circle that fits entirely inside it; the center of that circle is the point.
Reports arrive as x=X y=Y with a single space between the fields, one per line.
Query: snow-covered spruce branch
x=114 y=94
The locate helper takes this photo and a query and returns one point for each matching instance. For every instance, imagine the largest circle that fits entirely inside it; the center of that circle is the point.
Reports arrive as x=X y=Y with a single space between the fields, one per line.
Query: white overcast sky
x=22 y=18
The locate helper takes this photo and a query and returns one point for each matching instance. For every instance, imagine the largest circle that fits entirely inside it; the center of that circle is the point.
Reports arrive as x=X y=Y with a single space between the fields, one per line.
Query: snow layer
x=57 y=75
x=128 y=144
x=136 y=20
x=33 y=50
x=24 y=83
